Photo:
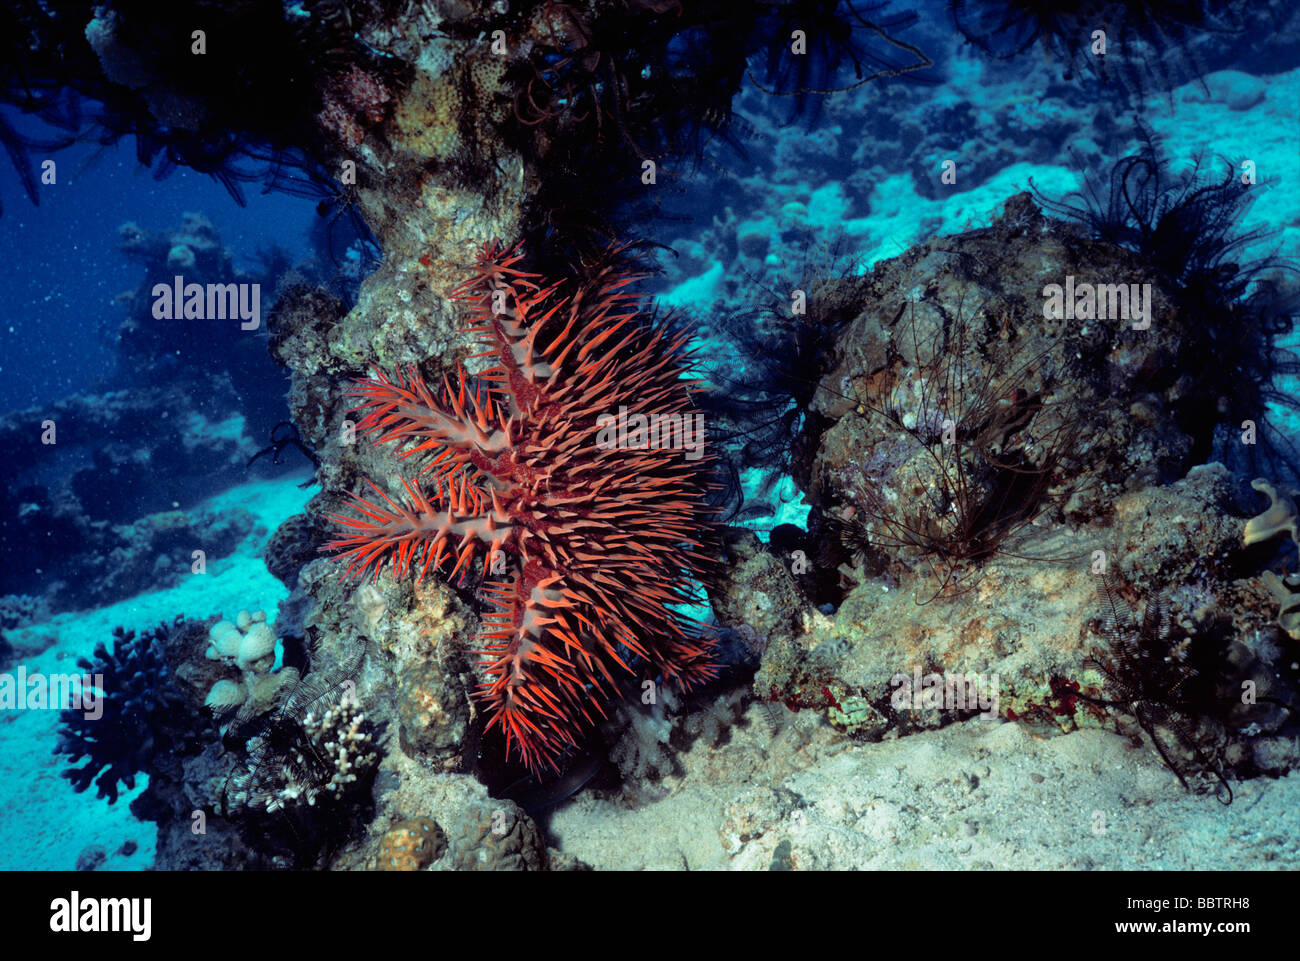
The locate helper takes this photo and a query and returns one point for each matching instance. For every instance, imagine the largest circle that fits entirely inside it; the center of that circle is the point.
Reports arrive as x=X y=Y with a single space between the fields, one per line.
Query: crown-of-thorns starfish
x=587 y=548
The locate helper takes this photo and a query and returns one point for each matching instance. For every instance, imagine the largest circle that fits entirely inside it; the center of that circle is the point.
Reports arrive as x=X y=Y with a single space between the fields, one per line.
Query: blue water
x=64 y=268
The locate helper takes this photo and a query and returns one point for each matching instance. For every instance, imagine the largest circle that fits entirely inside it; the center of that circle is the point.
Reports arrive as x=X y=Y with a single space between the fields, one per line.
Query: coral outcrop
x=79 y=522
x=977 y=466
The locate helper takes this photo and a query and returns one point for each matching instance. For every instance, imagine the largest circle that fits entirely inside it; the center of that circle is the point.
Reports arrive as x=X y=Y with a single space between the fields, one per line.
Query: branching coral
x=305 y=785
x=591 y=539
x=326 y=754
x=138 y=696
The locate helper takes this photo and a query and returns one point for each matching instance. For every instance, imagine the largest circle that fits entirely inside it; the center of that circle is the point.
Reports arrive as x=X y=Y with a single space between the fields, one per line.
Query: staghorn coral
x=338 y=751
x=592 y=545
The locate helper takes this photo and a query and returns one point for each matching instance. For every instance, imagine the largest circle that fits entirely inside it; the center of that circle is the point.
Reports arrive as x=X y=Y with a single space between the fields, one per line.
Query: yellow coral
x=1280 y=518
x=427 y=119
x=412 y=845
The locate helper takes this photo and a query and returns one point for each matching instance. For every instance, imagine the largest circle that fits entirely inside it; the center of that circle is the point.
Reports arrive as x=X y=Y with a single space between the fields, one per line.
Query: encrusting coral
x=412 y=845
x=591 y=542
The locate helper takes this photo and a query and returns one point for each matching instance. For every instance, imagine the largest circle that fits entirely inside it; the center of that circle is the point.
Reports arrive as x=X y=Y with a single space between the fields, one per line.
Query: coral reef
x=88 y=473
x=278 y=759
x=1157 y=48
x=80 y=521
x=973 y=464
x=18 y=610
x=978 y=463
x=179 y=347
x=418 y=674
x=462 y=828
x=590 y=543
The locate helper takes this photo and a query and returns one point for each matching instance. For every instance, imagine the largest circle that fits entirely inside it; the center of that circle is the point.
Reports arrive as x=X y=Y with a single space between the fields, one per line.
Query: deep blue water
x=63 y=267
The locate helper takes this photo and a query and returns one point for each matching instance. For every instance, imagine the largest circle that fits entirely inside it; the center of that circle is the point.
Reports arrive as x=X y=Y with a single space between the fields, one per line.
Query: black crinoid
x=1232 y=308
x=142 y=712
x=972 y=443
x=339 y=235
x=243 y=111
x=1150 y=41
x=761 y=407
x=811 y=49
x=1163 y=679
x=601 y=90
x=305 y=785
x=284 y=435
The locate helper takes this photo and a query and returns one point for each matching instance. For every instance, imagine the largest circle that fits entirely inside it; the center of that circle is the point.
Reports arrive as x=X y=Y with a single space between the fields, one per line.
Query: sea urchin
x=589 y=538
